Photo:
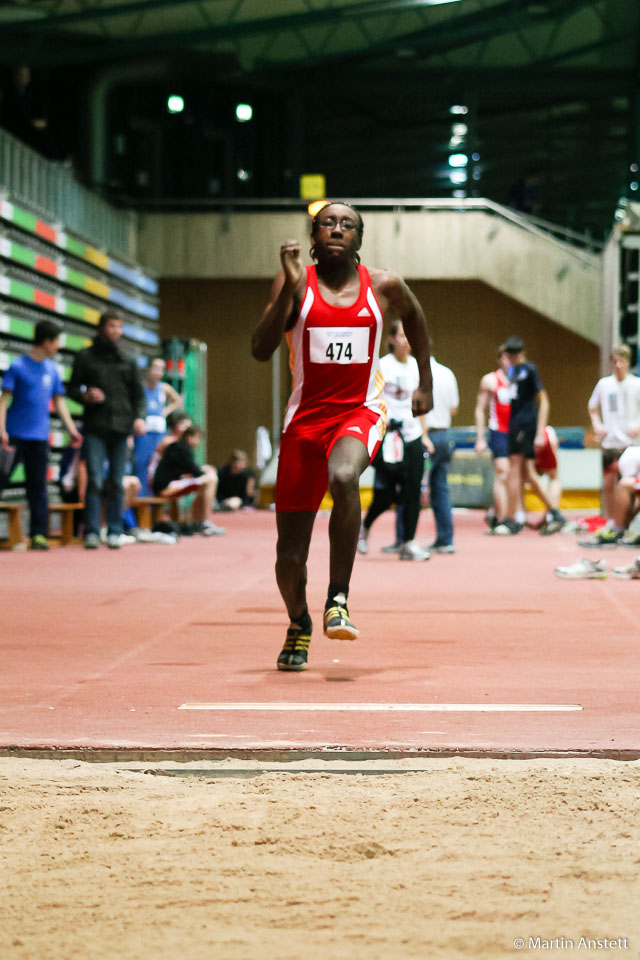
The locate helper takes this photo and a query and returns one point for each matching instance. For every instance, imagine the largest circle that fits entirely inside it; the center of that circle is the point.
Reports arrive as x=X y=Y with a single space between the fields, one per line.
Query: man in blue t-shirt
x=527 y=423
x=30 y=384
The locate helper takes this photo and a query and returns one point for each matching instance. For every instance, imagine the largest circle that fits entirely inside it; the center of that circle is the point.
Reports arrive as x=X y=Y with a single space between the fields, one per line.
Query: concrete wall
x=551 y=278
x=468 y=319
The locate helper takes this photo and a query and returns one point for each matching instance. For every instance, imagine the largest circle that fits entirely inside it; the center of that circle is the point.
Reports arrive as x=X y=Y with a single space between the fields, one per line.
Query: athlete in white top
x=399 y=464
x=614 y=408
x=446 y=400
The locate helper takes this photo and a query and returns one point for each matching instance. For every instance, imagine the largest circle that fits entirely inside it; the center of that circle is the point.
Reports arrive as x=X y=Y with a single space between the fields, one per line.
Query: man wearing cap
x=529 y=415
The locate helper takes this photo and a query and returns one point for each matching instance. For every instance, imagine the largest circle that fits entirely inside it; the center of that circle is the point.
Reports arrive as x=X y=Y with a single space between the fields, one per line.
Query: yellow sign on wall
x=313 y=186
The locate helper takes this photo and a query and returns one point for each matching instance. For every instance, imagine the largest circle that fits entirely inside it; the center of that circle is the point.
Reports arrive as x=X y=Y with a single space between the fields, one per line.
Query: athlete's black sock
x=334 y=590
x=302 y=622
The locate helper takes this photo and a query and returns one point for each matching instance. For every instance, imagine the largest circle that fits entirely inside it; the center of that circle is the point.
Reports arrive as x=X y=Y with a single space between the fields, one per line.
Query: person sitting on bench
x=178 y=474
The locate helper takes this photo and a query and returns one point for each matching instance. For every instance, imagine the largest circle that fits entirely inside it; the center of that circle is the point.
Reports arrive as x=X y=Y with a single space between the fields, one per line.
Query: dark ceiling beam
x=460 y=30
x=233 y=30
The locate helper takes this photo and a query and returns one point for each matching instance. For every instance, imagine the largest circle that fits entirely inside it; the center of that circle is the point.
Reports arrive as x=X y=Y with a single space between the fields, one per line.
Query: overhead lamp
x=244 y=112
x=175 y=103
x=458 y=176
x=460 y=129
x=458 y=160
x=458 y=109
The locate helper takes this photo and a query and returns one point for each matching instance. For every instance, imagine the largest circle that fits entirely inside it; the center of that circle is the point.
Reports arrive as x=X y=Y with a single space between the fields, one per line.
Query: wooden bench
x=15 y=537
x=66 y=511
x=149 y=510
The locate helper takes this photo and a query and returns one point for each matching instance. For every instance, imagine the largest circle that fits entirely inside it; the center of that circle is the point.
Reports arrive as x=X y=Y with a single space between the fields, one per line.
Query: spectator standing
x=31 y=383
x=398 y=477
x=614 y=409
x=161 y=401
x=22 y=110
x=446 y=400
x=529 y=417
x=106 y=382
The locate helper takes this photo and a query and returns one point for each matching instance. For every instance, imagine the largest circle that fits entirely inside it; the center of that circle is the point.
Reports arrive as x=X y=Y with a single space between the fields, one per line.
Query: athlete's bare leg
x=514 y=483
x=348 y=458
x=534 y=481
x=501 y=476
x=203 y=503
x=610 y=477
x=294 y=536
x=624 y=502
x=555 y=489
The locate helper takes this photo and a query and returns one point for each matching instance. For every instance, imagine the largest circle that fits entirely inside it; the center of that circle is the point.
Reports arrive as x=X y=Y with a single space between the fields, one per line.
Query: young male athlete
x=495 y=393
x=332 y=316
x=529 y=414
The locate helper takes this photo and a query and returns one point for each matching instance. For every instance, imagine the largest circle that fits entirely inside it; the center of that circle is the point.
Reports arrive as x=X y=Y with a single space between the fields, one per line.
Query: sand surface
x=457 y=859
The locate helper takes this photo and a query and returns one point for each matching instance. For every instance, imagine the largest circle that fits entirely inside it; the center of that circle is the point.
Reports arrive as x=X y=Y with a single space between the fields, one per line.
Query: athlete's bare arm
x=391 y=290
x=487 y=387
x=173 y=400
x=543 y=417
x=285 y=294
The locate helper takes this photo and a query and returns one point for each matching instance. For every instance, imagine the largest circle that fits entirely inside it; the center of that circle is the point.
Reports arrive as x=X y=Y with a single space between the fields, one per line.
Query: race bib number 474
x=339 y=344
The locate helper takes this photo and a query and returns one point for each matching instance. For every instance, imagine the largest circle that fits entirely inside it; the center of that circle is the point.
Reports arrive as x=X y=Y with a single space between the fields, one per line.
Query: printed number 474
x=339 y=351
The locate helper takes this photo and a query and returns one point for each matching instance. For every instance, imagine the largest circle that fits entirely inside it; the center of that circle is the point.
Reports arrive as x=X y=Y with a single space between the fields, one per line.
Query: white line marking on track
x=389 y=707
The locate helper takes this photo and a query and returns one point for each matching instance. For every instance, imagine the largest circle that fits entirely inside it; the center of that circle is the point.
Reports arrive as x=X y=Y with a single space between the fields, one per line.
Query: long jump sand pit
x=460 y=858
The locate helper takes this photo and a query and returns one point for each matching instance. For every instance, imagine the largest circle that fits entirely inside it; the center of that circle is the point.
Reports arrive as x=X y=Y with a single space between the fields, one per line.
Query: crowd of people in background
x=138 y=441
x=124 y=450
x=522 y=444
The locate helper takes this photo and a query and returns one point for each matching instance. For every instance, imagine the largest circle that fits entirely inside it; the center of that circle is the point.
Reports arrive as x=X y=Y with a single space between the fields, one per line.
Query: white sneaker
x=164 y=538
x=363 y=542
x=211 y=529
x=583 y=570
x=630 y=572
x=413 y=551
x=145 y=536
x=442 y=548
x=125 y=538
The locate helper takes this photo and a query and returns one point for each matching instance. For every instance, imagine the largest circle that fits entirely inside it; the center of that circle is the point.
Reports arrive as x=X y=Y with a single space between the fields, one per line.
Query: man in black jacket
x=106 y=381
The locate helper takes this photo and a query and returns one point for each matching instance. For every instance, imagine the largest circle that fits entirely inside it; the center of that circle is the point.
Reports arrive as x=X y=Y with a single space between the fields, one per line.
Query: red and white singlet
x=500 y=404
x=333 y=355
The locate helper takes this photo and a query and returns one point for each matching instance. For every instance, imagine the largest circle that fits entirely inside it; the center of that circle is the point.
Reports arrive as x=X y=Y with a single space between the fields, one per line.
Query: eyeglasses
x=330 y=223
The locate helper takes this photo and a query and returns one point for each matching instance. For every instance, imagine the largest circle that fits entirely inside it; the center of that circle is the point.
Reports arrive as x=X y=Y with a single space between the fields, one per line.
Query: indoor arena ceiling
x=259 y=35
x=553 y=86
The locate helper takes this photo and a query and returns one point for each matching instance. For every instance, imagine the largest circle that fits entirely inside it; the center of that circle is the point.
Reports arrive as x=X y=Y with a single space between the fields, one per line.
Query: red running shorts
x=303 y=463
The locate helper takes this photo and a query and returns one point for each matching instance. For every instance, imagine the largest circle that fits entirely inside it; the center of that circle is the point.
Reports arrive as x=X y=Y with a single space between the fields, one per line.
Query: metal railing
x=536 y=225
x=51 y=191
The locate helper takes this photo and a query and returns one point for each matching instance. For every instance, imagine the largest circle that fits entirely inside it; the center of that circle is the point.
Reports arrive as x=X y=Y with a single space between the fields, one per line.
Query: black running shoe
x=604 y=538
x=491 y=520
x=337 y=624
x=293 y=656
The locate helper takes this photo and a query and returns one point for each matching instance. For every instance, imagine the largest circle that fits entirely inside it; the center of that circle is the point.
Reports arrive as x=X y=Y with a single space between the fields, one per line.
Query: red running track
x=103 y=650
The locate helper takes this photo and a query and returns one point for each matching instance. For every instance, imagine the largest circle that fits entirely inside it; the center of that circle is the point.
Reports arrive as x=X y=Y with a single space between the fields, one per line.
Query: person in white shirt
x=399 y=464
x=446 y=400
x=614 y=408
